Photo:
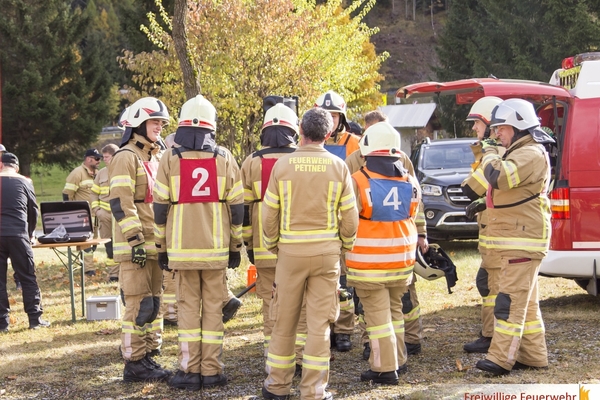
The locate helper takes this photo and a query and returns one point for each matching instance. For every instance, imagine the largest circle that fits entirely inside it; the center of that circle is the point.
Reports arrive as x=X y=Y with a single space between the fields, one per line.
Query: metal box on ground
x=103 y=307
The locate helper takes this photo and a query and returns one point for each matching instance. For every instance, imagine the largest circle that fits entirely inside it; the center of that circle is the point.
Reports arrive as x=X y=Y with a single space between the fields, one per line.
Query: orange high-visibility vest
x=384 y=251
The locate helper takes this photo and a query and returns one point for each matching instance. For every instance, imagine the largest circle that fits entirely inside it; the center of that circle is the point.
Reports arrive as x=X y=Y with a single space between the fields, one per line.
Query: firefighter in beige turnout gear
x=199 y=182
x=383 y=257
x=78 y=186
x=132 y=172
x=101 y=209
x=342 y=143
x=168 y=307
x=413 y=327
x=277 y=138
x=309 y=216
x=519 y=230
x=475 y=187
x=80 y=181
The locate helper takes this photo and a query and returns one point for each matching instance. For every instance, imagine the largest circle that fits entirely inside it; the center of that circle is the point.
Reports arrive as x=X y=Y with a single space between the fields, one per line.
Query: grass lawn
x=80 y=360
x=48 y=182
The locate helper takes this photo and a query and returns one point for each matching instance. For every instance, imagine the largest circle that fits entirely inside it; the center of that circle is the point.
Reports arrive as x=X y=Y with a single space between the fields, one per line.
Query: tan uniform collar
x=89 y=171
x=145 y=145
x=311 y=147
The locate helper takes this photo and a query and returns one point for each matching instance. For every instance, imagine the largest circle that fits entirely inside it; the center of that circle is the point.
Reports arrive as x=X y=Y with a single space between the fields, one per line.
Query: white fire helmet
x=380 y=139
x=517 y=113
x=123 y=119
x=482 y=109
x=147 y=108
x=198 y=112
x=282 y=115
x=332 y=102
x=424 y=267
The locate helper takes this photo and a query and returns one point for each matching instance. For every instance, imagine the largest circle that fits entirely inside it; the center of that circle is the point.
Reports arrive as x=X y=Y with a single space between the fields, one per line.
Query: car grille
x=456 y=196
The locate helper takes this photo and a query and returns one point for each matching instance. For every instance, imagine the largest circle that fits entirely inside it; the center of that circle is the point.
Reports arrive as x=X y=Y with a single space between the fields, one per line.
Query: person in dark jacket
x=18 y=217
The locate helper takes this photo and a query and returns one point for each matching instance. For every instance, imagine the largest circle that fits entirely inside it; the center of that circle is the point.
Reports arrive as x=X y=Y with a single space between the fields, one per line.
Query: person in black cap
x=81 y=179
x=79 y=187
x=19 y=212
x=355 y=128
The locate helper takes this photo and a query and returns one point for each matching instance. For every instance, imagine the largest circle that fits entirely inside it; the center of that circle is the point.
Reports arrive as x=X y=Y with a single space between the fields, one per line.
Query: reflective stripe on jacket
x=252 y=181
x=100 y=191
x=128 y=187
x=79 y=184
x=518 y=206
x=384 y=251
x=198 y=235
x=309 y=200
x=477 y=183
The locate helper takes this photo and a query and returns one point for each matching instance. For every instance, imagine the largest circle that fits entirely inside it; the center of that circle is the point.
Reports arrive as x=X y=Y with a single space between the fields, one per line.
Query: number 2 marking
x=197 y=190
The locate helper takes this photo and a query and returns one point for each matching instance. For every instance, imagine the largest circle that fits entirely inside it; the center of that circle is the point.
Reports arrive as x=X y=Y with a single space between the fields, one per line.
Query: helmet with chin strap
x=141 y=111
x=482 y=109
x=520 y=114
x=334 y=103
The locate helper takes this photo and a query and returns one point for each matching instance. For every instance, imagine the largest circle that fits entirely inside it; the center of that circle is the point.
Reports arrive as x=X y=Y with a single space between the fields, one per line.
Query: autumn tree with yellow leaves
x=244 y=50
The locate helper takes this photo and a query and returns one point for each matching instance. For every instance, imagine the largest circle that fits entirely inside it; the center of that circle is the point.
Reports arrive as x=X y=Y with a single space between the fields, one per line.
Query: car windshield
x=449 y=155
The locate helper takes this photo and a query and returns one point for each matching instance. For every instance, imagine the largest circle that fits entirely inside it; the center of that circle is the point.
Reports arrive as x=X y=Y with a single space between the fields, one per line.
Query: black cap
x=9 y=158
x=355 y=128
x=92 y=153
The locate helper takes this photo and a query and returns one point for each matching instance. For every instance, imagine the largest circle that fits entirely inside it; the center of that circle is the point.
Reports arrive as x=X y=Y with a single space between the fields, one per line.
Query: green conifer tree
x=55 y=89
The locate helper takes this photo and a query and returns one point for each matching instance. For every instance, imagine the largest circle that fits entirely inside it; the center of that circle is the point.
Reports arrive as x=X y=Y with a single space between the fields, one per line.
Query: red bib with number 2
x=198 y=181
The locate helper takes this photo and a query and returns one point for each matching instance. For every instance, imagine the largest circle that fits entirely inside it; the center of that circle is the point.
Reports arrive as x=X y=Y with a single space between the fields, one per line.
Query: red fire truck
x=570 y=106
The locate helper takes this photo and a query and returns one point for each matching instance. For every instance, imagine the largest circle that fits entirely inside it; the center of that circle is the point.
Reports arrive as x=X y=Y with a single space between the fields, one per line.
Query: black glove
x=138 y=255
x=250 y=255
x=475 y=207
x=234 y=259
x=163 y=262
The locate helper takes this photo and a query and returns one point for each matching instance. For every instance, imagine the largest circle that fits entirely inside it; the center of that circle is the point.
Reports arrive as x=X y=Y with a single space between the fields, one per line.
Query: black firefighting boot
x=413 y=348
x=231 y=308
x=481 y=345
x=271 y=396
x=187 y=381
x=143 y=371
x=491 y=367
x=402 y=369
x=366 y=351
x=214 y=380
x=342 y=342
x=385 y=378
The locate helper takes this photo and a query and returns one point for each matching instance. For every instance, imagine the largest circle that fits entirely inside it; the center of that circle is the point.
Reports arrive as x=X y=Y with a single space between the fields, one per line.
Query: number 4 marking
x=197 y=190
x=393 y=195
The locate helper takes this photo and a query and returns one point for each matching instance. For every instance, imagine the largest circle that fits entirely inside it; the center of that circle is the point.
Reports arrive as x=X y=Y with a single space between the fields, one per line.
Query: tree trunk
x=191 y=81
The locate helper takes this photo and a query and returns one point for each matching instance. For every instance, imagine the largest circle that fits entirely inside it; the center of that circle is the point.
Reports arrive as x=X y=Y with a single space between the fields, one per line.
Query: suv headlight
x=431 y=190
